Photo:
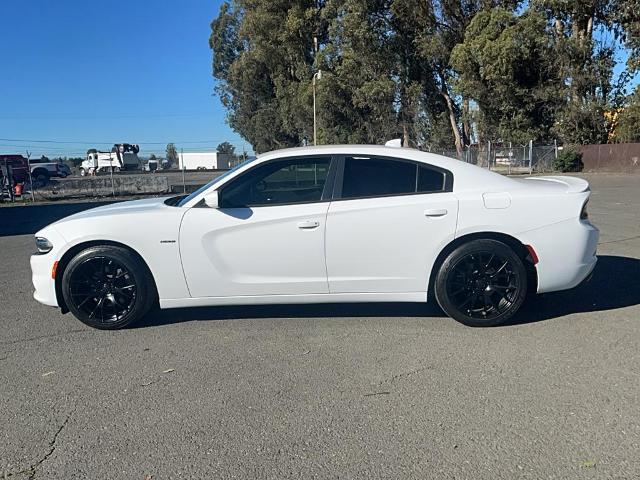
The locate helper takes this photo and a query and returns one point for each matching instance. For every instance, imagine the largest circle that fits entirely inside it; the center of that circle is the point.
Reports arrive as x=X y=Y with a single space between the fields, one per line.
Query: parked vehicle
x=65 y=170
x=45 y=168
x=123 y=156
x=19 y=166
x=204 y=161
x=325 y=224
x=151 y=166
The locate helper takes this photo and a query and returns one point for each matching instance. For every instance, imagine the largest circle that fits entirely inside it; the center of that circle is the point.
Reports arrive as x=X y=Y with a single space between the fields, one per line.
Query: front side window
x=376 y=177
x=281 y=182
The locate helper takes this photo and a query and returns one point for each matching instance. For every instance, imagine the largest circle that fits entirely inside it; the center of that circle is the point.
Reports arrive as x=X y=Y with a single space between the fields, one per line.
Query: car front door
x=389 y=221
x=267 y=236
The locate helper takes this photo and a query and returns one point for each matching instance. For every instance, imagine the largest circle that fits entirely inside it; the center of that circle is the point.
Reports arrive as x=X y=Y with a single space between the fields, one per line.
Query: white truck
x=123 y=156
x=204 y=161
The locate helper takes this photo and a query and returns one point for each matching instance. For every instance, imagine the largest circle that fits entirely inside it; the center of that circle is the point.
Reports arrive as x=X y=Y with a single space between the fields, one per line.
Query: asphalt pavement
x=335 y=391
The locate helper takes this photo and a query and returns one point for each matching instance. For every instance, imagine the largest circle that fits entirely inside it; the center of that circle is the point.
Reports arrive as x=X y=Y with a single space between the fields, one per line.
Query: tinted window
x=430 y=180
x=276 y=183
x=372 y=177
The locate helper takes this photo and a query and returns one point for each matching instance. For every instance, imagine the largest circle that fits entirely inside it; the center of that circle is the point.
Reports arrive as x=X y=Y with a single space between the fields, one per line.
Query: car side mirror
x=211 y=199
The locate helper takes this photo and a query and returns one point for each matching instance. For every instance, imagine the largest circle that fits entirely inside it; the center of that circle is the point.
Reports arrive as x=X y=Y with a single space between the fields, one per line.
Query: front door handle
x=437 y=212
x=308 y=225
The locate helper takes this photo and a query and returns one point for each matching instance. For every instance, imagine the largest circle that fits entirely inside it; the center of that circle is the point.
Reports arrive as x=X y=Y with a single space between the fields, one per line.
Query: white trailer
x=204 y=161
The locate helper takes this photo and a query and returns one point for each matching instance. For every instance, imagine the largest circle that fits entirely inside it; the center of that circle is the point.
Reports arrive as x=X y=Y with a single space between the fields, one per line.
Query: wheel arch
x=41 y=170
x=516 y=245
x=75 y=249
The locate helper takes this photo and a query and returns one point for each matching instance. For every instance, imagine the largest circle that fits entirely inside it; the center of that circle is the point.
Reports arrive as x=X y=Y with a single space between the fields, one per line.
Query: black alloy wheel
x=482 y=283
x=107 y=287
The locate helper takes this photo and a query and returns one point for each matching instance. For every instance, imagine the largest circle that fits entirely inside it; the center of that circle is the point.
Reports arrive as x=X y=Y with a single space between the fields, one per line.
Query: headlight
x=44 y=245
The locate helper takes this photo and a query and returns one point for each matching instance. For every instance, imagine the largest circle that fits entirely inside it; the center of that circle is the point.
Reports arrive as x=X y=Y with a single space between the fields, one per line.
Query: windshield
x=187 y=199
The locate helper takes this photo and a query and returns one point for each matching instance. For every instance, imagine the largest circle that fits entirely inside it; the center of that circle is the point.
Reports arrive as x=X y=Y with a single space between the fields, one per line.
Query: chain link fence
x=507 y=159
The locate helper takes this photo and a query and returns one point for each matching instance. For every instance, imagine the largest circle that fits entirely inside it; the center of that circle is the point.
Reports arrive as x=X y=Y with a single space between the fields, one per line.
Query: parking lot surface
x=333 y=391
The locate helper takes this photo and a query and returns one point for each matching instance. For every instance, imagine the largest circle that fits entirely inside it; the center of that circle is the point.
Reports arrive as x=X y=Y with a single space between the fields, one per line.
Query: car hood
x=129 y=207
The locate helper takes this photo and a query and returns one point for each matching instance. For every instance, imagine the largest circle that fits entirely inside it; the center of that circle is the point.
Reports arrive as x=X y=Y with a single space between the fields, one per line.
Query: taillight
x=584 y=215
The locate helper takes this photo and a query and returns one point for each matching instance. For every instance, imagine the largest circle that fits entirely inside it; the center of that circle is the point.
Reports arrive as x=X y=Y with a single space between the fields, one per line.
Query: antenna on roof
x=395 y=143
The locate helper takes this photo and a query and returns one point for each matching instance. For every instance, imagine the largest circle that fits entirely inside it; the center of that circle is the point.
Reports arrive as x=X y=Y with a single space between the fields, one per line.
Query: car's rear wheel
x=108 y=287
x=481 y=283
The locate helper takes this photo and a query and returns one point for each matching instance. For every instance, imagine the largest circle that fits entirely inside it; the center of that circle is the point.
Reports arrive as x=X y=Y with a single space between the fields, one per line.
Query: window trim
x=448 y=178
x=327 y=190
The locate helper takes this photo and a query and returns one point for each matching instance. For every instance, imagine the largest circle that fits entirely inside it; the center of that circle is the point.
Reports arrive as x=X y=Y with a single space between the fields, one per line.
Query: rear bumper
x=566 y=252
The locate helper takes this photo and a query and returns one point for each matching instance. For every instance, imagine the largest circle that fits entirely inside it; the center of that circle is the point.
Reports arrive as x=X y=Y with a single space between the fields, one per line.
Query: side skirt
x=419 y=297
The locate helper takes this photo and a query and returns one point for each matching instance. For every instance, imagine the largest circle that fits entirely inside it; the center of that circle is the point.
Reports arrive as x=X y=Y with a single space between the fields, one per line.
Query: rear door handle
x=308 y=225
x=437 y=212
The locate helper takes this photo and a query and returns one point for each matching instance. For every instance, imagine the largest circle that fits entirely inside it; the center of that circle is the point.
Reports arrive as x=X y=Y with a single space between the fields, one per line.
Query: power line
x=108 y=142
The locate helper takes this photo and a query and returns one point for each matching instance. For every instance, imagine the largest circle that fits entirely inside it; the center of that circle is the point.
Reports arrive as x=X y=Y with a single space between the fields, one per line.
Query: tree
x=504 y=66
x=172 y=154
x=448 y=24
x=626 y=14
x=226 y=147
x=263 y=53
x=585 y=67
x=421 y=69
x=628 y=120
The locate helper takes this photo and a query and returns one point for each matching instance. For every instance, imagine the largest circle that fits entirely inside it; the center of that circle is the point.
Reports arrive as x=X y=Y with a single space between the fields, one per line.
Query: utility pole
x=181 y=160
x=113 y=189
x=318 y=76
x=33 y=198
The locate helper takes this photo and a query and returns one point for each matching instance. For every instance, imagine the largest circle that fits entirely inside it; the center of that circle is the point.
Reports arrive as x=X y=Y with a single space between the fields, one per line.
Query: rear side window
x=375 y=177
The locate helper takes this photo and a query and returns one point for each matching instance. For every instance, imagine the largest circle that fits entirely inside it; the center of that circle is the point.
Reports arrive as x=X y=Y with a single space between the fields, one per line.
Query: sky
x=80 y=74
x=95 y=73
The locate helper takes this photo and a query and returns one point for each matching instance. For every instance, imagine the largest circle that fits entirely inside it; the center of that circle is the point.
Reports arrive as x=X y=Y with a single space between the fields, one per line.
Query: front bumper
x=42 y=267
x=44 y=285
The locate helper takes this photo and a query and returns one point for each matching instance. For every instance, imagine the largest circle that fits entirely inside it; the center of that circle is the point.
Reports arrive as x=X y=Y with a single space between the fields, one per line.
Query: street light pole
x=316 y=76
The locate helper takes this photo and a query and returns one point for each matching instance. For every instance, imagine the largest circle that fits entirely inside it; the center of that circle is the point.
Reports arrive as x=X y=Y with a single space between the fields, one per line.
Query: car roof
x=466 y=175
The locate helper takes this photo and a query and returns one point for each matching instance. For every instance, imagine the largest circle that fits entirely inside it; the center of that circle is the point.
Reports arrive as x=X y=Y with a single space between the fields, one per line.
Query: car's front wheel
x=108 y=287
x=481 y=283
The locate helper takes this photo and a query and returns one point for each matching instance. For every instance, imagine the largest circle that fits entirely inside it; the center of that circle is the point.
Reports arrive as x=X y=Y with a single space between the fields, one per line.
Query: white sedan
x=325 y=224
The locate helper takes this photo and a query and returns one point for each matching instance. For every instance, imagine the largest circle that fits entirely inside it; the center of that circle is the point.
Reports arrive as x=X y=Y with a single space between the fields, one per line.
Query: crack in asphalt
x=31 y=471
x=620 y=240
x=52 y=447
x=41 y=337
x=401 y=376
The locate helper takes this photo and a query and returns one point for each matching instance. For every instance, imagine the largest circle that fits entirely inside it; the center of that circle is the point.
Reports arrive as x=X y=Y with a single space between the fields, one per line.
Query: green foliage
x=568 y=161
x=226 y=147
x=627 y=128
x=504 y=66
x=441 y=73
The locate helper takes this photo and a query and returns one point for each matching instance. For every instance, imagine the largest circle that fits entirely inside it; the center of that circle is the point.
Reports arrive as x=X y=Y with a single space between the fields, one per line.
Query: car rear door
x=386 y=225
x=267 y=237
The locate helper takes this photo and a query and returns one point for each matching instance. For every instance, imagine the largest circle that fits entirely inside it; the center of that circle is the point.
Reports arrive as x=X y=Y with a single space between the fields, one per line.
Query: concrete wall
x=102 y=186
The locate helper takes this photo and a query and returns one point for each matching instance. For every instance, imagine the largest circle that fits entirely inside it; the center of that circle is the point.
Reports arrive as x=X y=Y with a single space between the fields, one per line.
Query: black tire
x=40 y=177
x=108 y=287
x=482 y=283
